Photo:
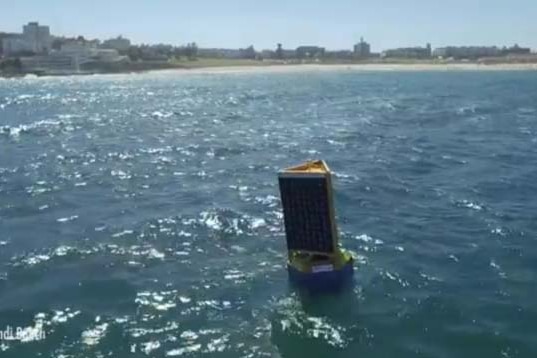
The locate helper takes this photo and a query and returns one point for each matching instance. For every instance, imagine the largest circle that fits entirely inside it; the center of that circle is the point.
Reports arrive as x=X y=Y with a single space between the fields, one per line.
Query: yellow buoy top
x=315 y=166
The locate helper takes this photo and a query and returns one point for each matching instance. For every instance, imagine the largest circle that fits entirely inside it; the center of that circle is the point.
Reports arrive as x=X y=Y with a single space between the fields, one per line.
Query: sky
x=334 y=24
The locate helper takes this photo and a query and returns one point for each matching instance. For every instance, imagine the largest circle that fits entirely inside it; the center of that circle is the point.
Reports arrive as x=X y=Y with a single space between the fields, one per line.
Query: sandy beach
x=358 y=68
x=305 y=68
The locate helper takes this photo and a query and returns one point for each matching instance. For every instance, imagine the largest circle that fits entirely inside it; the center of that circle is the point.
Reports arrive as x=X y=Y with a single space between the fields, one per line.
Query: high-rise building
x=37 y=37
x=279 y=52
x=362 y=49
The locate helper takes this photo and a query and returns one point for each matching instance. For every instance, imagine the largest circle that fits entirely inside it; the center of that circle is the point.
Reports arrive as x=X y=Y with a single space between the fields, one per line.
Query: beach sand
x=358 y=68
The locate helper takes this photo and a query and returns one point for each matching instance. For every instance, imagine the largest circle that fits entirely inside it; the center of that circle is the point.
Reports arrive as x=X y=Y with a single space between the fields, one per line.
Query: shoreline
x=309 y=67
x=373 y=67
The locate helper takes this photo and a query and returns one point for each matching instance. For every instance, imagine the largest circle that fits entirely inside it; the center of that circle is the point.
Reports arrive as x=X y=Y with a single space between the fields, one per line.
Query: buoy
x=315 y=258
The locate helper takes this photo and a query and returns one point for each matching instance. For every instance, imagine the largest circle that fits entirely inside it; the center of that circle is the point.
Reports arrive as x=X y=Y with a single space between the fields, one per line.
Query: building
x=303 y=52
x=70 y=59
x=279 y=52
x=467 y=52
x=87 y=51
x=15 y=44
x=120 y=44
x=35 y=39
x=516 y=50
x=107 y=55
x=38 y=37
x=51 y=64
x=248 y=53
x=409 y=52
x=83 y=51
x=4 y=36
x=339 y=55
x=362 y=49
x=268 y=54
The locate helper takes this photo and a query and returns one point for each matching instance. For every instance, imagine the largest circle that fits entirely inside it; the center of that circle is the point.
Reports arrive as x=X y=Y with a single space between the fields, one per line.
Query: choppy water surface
x=140 y=214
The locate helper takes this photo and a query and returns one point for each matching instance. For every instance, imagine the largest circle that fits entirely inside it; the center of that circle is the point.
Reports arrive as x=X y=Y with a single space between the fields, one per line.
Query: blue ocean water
x=140 y=214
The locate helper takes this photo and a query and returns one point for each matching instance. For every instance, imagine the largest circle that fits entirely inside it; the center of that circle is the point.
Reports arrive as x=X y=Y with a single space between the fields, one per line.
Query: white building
x=38 y=37
x=51 y=64
x=119 y=43
x=34 y=39
x=87 y=51
x=14 y=44
x=107 y=55
x=82 y=51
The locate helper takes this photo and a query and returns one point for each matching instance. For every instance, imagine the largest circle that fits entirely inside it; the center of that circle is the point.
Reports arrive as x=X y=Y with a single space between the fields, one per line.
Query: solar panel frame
x=308 y=212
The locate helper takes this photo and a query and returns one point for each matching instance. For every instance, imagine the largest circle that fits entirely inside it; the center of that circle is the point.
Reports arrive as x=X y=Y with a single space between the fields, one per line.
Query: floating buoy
x=315 y=258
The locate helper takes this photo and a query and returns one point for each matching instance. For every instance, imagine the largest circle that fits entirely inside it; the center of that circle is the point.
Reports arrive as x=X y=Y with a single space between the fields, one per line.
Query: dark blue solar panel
x=307 y=214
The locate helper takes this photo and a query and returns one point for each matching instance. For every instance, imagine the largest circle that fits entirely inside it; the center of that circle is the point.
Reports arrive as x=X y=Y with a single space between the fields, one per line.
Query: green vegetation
x=11 y=67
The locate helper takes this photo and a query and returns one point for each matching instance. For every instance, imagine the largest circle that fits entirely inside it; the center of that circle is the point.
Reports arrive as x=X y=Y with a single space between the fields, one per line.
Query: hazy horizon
x=240 y=23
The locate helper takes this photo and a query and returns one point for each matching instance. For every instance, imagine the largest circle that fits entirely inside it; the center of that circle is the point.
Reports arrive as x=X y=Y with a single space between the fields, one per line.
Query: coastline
x=285 y=68
x=268 y=68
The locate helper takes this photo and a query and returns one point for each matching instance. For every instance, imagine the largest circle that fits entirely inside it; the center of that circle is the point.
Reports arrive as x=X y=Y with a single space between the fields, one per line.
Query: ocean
x=140 y=214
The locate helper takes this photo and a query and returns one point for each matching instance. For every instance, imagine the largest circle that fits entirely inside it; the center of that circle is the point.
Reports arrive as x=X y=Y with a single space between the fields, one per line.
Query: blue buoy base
x=322 y=278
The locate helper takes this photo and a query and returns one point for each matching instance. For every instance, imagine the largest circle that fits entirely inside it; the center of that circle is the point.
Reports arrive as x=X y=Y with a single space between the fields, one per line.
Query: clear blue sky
x=335 y=24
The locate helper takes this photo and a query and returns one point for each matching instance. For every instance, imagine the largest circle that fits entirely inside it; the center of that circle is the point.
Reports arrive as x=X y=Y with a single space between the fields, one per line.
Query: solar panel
x=307 y=206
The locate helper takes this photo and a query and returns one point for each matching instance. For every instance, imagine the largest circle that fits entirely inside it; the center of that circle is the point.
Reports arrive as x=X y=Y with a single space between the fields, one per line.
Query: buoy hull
x=322 y=280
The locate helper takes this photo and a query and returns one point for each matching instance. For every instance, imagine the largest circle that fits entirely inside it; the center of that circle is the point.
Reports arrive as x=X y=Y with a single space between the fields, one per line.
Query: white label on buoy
x=322 y=268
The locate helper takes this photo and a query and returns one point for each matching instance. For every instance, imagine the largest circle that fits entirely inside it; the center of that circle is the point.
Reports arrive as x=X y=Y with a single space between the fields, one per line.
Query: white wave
x=364 y=238
x=159 y=114
x=217 y=344
x=471 y=205
x=60 y=251
x=140 y=332
x=257 y=223
x=269 y=200
x=160 y=301
x=45 y=125
x=93 y=336
x=497 y=267
x=234 y=275
x=184 y=299
x=211 y=220
x=149 y=347
x=120 y=174
x=63 y=250
x=346 y=177
x=189 y=335
x=155 y=254
x=123 y=233
x=34 y=260
x=63 y=316
x=183 y=350
x=66 y=219
x=430 y=278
